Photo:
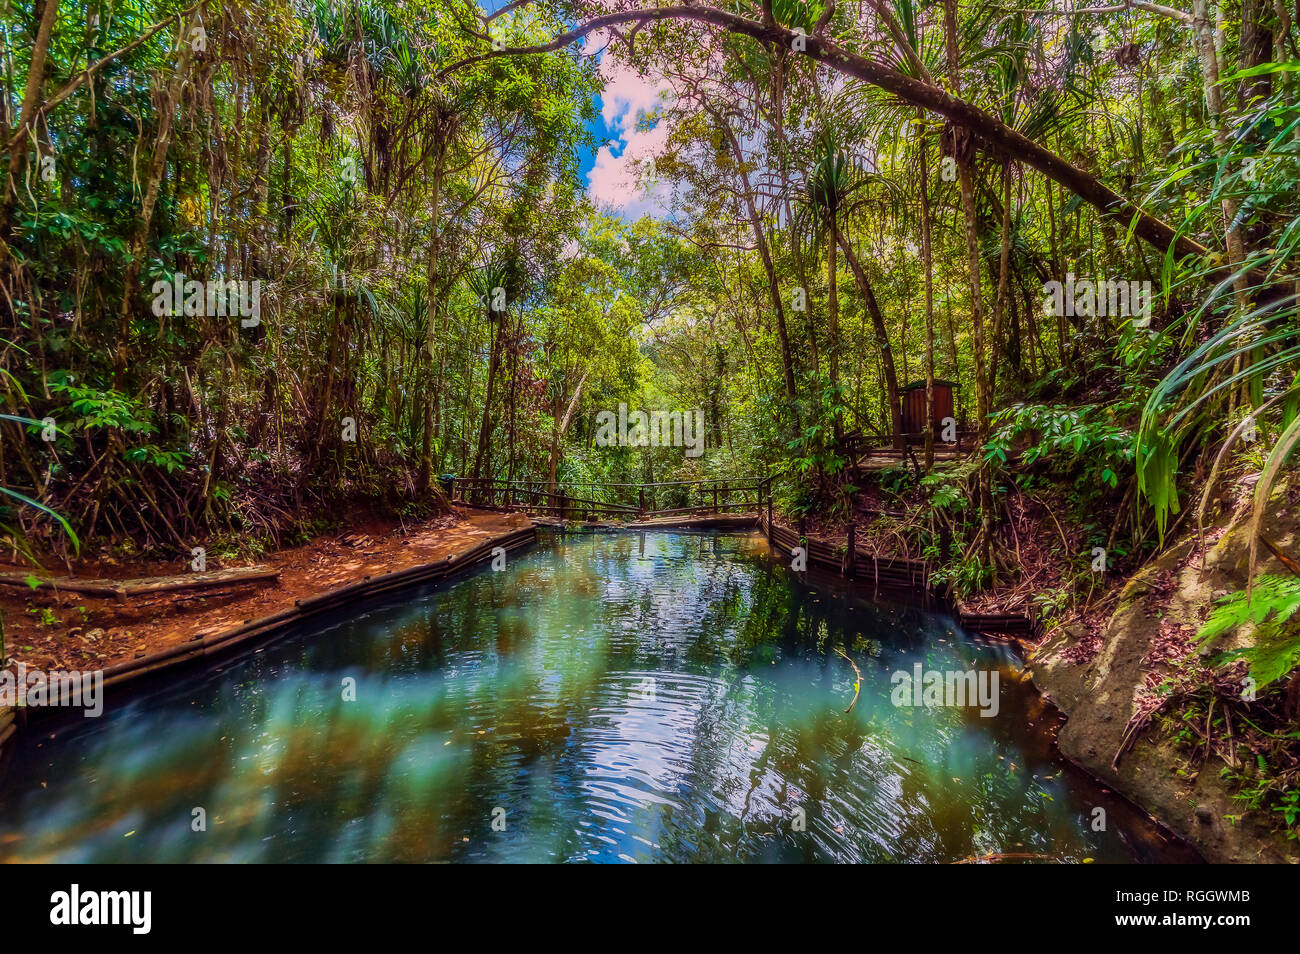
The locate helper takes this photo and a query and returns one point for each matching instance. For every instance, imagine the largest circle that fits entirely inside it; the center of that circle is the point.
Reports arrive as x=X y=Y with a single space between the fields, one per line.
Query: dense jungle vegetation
x=849 y=197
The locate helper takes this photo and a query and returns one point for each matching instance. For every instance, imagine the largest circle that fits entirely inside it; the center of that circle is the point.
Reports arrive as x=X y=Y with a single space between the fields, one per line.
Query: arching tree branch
x=987 y=127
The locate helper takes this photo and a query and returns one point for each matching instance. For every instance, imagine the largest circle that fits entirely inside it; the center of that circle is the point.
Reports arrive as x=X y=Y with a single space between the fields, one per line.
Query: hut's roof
x=939 y=383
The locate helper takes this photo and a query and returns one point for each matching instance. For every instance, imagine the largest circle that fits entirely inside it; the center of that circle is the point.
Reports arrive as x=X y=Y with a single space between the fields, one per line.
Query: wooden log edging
x=235 y=576
x=232 y=640
x=904 y=576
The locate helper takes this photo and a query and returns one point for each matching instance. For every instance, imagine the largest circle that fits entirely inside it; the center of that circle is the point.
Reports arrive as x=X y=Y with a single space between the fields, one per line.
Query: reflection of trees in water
x=514 y=690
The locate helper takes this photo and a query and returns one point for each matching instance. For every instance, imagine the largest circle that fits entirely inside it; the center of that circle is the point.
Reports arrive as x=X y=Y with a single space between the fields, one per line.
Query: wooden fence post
x=851 y=553
x=769 y=512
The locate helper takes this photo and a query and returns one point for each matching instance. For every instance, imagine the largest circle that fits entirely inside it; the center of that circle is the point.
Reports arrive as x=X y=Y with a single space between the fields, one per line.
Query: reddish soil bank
x=82 y=631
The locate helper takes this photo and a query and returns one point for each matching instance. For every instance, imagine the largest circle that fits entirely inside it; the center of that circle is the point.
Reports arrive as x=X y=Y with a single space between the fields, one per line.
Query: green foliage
x=1049 y=605
x=1235 y=346
x=1084 y=441
x=1268 y=607
x=44 y=615
x=796 y=13
x=104 y=408
x=949 y=488
x=814 y=459
x=967 y=575
x=1260 y=786
x=1288 y=806
x=36 y=505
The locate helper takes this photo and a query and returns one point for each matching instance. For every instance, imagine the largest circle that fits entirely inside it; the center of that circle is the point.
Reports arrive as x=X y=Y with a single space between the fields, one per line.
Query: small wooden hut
x=912 y=399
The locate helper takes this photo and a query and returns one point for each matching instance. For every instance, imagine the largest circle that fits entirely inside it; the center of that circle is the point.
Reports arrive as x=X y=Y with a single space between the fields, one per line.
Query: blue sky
x=613 y=170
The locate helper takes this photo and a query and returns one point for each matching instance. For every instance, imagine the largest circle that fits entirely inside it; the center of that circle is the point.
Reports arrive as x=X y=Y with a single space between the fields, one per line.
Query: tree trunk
x=976 y=301
x=882 y=335
x=431 y=311
x=927 y=266
x=764 y=253
x=18 y=151
x=485 y=425
x=561 y=426
x=1000 y=301
x=833 y=312
x=140 y=232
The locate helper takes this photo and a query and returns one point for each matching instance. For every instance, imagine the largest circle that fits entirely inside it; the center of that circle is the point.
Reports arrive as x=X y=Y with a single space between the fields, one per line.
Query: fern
x=1269 y=607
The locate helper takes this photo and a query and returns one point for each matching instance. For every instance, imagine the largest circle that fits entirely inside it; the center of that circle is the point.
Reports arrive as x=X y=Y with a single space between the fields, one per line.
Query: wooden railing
x=890 y=576
x=570 y=500
x=750 y=495
x=855 y=444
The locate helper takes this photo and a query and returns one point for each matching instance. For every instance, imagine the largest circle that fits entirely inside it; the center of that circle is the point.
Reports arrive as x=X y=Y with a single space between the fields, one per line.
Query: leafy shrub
x=1084 y=442
x=1269 y=606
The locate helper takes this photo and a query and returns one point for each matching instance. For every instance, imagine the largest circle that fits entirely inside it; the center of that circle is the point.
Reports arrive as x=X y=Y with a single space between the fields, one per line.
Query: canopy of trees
x=859 y=196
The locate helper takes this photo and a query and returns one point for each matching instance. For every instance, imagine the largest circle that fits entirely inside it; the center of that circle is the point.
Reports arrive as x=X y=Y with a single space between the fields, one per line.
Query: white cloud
x=616 y=179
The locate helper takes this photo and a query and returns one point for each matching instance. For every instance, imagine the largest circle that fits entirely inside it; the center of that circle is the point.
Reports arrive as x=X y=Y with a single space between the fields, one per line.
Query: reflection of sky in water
x=527 y=690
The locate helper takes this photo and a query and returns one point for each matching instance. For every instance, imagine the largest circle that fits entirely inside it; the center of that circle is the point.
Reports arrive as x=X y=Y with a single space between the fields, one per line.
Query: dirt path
x=81 y=631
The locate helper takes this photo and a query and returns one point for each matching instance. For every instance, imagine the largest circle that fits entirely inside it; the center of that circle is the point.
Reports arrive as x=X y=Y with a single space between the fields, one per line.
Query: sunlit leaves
x=1268 y=608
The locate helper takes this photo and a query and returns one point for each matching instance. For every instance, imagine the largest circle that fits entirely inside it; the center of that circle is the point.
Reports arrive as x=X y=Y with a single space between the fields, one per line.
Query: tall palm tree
x=832 y=192
x=491 y=284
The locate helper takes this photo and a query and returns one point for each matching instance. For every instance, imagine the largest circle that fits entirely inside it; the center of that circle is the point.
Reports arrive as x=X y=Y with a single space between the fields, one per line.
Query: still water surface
x=606 y=697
